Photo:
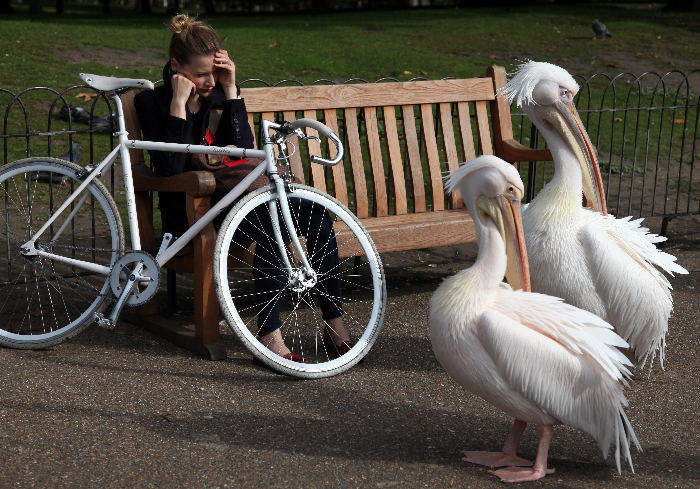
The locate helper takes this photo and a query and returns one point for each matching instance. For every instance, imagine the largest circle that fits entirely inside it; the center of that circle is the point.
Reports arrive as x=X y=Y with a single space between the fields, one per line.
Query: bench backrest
x=405 y=133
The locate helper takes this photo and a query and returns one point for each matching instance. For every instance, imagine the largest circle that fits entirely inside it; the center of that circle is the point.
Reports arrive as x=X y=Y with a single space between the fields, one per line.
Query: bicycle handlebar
x=326 y=131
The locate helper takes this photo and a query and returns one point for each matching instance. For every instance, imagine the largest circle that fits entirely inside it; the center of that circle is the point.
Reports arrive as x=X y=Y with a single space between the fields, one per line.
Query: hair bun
x=181 y=23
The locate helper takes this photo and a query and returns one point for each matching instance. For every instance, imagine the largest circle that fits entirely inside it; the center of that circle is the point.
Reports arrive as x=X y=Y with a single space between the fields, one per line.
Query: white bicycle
x=64 y=261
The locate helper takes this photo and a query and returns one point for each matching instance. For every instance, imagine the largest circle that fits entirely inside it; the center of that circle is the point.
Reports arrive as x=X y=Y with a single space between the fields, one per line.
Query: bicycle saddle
x=109 y=83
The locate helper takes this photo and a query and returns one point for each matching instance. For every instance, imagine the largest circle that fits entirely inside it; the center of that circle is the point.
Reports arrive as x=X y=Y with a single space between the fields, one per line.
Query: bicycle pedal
x=104 y=322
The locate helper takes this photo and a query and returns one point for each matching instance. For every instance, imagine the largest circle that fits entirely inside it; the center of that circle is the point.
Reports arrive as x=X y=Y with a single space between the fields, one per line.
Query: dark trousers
x=271 y=282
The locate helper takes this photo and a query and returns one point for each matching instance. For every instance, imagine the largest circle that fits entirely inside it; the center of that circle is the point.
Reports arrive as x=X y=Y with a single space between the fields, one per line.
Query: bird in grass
x=600 y=30
x=531 y=355
x=592 y=260
x=45 y=176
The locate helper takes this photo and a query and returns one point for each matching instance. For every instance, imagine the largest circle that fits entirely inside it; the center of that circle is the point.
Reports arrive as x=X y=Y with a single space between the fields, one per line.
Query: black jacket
x=153 y=109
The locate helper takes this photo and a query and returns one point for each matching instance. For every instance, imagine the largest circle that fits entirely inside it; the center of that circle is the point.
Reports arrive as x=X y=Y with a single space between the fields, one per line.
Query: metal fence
x=645 y=128
x=646 y=131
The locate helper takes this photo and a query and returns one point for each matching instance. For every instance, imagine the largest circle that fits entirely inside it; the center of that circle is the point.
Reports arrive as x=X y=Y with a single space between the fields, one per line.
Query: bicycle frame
x=168 y=250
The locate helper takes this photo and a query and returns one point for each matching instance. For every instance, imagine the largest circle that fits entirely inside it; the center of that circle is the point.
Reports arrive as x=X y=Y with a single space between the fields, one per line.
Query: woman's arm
x=158 y=125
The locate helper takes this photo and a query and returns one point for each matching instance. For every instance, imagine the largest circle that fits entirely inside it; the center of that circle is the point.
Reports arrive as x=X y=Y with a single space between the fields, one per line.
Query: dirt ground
x=133 y=410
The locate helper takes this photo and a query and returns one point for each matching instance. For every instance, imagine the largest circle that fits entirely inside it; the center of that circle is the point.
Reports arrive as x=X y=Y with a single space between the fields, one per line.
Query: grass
x=437 y=43
x=42 y=50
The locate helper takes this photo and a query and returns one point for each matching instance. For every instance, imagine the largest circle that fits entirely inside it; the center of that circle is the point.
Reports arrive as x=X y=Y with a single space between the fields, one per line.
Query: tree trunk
x=323 y=5
x=209 y=7
x=143 y=6
x=174 y=6
x=35 y=7
x=59 y=6
x=106 y=7
x=5 y=7
x=683 y=5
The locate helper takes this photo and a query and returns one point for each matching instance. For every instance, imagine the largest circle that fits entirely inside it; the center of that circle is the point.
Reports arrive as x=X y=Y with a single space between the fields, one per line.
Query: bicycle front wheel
x=42 y=301
x=257 y=295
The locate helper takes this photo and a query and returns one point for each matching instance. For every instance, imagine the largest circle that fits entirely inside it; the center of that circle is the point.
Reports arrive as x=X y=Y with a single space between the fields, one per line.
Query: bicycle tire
x=44 y=302
x=363 y=285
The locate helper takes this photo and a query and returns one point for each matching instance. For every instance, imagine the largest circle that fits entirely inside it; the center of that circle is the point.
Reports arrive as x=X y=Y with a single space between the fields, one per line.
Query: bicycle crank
x=146 y=274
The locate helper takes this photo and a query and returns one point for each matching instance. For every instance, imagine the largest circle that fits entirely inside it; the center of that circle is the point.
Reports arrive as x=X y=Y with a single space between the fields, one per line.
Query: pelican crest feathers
x=453 y=180
x=528 y=75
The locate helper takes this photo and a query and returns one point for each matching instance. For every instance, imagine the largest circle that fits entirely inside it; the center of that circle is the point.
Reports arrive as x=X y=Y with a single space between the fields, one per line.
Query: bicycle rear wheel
x=348 y=282
x=42 y=301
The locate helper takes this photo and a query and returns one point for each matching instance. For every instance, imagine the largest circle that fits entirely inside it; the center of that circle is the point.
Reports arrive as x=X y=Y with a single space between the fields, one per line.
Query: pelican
x=593 y=261
x=533 y=356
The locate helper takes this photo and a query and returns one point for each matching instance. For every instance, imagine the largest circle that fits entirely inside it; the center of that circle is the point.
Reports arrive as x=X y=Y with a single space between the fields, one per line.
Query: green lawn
x=432 y=43
x=50 y=50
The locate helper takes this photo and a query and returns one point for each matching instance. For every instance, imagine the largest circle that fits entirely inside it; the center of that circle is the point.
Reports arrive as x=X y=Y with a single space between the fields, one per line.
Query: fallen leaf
x=493 y=56
x=658 y=37
x=614 y=65
x=86 y=96
x=679 y=121
x=551 y=50
x=407 y=72
x=621 y=44
x=565 y=60
x=617 y=119
x=424 y=73
x=38 y=312
x=275 y=45
x=592 y=62
x=656 y=56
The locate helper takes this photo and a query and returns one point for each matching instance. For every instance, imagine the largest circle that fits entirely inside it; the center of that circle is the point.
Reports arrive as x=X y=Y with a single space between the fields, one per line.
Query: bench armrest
x=514 y=151
x=194 y=183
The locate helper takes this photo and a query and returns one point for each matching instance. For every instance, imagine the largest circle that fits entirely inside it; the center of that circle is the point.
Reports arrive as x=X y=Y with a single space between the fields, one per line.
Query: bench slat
x=450 y=146
x=367 y=94
x=356 y=164
x=411 y=232
x=395 y=162
x=413 y=150
x=339 y=183
x=294 y=160
x=376 y=163
x=482 y=125
x=426 y=111
x=318 y=177
x=465 y=129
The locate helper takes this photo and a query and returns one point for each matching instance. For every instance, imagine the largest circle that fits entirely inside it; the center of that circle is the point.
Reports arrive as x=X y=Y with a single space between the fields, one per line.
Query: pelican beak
x=517 y=270
x=565 y=120
x=592 y=181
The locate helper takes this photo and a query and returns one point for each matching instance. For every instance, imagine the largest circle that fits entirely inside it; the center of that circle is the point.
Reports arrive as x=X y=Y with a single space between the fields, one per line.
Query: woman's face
x=200 y=71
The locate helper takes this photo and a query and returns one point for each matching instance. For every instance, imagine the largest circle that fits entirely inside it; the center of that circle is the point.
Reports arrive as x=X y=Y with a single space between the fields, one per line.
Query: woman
x=200 y=77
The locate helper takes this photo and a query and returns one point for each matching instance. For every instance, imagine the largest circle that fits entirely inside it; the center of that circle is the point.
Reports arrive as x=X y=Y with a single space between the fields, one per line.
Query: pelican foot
x=495 y=459
x=520 y=474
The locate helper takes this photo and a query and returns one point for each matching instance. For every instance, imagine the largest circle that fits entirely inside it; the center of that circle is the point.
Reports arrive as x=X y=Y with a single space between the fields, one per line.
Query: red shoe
x=338 y=350
x=295 y=358
x=289 y=356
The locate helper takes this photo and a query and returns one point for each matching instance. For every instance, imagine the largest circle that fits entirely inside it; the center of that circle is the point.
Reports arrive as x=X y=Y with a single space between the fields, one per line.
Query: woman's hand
x=226 y=73
x=182 y=90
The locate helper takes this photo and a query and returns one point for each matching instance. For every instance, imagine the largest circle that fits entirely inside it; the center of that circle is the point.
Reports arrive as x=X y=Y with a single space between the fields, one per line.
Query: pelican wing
x=622 y=259
x=564 y=361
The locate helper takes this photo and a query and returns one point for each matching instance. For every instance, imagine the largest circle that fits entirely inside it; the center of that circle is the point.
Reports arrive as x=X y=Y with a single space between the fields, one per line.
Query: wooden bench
x=399 y=140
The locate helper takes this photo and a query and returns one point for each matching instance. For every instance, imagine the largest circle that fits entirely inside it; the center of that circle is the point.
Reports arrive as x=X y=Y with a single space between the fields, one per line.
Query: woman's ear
x=174 y=65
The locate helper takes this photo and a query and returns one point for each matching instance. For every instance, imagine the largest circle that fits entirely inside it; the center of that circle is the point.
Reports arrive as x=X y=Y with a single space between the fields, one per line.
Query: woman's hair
x=191 y=38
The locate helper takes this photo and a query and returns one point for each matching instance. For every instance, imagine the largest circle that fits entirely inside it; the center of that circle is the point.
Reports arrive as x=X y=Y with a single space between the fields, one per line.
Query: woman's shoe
x=295 y=358
x=289 y=356
x=338 y=350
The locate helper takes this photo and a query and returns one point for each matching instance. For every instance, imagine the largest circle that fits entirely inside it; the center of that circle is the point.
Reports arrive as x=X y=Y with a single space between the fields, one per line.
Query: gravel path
x=109 y=410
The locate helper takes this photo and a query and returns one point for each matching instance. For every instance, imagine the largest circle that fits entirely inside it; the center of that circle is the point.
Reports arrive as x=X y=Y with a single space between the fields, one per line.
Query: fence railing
x=646 y=131
x=645 y=128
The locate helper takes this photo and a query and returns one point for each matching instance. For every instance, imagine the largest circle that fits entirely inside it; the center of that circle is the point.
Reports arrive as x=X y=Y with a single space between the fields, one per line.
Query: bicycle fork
x=306 y=277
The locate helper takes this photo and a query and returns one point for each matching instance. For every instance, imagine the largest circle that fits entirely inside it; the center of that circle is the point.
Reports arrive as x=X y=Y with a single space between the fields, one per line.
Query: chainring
x=122 y=269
